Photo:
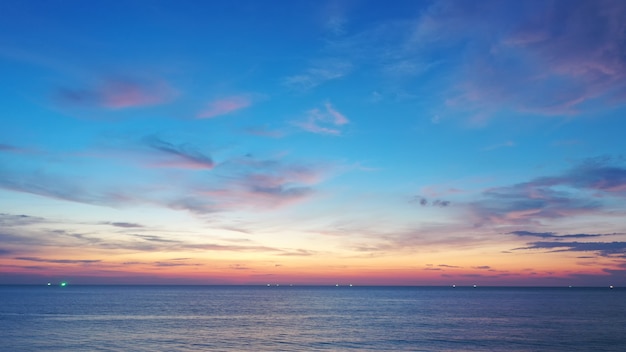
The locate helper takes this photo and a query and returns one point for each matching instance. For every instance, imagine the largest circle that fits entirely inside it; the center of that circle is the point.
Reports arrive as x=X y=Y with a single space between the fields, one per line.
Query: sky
x=313 y=142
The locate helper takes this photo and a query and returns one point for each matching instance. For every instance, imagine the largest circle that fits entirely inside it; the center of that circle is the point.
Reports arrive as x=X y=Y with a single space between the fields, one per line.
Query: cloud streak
x=59 y=261
x=552 y=235
x=185 y=155
x=318 y=74
x=606 y=249
x=225 y=106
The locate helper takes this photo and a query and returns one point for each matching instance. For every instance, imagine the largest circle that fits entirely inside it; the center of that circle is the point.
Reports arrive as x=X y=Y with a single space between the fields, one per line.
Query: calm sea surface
x=247 y=318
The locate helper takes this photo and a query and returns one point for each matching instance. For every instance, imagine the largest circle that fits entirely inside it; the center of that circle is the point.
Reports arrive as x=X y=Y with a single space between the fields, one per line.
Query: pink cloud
x=124 y=94
x=119 y=93
x=225 y=106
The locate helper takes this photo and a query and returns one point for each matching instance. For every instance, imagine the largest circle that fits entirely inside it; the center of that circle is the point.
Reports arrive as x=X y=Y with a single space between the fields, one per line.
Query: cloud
x=606 y=249
x=10 y=220
x=59 y=261
x=265 y=184
x=536 y=56
x=44 y=184
x=579 y=190
x=423 y=201
x=185 y=154
x=552 y=234
x=225 y=106
x=318 y=74
x=118 y=93
x=325 y=121
x=124 y=224
x=10 y=148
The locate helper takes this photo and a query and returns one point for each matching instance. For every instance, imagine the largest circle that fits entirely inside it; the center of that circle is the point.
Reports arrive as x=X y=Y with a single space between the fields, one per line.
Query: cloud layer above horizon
x=431 y=142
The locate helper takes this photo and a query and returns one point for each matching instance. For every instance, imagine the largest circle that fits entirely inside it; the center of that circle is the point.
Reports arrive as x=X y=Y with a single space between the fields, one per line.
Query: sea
x=311 y=318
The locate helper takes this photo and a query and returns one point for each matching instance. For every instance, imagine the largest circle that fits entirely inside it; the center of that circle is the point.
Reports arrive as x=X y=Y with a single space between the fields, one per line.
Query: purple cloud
x=546 y=57
x=554 y=196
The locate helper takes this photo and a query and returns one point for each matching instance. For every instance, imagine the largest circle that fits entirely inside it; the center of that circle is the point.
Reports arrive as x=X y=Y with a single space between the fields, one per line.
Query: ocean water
x=258 y=318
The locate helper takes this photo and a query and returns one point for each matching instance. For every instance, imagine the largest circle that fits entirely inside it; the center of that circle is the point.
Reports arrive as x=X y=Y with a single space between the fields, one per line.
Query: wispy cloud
x=543 y=57
x=10 y=220
x=185 y=154
x=124 y=224
x=507 y=144
x=326 y=121
x=118 y=93
x=224 y=106
x=318 y=74
x=265 y=184
x=59 y=261
x=58 y=187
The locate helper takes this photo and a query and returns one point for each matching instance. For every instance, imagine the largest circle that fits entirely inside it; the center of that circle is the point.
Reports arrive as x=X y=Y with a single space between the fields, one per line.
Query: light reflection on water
x=231 y=318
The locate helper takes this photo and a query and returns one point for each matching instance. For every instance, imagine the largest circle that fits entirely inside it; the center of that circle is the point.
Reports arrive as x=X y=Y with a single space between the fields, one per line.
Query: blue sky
x=412 y=142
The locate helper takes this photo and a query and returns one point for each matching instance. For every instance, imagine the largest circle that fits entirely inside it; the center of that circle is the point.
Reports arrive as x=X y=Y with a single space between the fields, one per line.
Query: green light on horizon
x=63 y=284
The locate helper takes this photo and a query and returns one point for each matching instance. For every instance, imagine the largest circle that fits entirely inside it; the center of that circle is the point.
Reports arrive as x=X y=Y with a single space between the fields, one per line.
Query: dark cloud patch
x=605 y=249
x=423 y=201
x=4 y=251
x=552 y=234
x=185 y=152
x=429 y=268
x=482 y=267
x=59 y=261
x=596 y=174
x=448 y=266
x=7 y=148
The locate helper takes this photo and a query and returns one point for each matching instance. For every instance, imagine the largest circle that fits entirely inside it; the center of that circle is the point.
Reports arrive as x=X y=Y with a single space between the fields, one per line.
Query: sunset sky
x=313 y=142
